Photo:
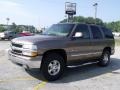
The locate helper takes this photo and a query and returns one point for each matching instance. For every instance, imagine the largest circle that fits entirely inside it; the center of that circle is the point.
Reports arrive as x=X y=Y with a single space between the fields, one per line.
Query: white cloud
x=7 y=6
x=9 y=3
x=16 y=12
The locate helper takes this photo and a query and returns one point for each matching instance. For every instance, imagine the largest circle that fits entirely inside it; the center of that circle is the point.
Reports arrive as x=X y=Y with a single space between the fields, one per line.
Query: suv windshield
x=59 y=30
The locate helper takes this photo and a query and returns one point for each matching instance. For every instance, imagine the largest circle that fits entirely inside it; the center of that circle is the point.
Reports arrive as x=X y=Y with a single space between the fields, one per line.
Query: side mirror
x=78 y=35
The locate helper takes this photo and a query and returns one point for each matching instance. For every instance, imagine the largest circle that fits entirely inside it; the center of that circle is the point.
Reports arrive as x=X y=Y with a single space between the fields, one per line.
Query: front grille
x=17 y=51
x=17 y=45
x=16 y=48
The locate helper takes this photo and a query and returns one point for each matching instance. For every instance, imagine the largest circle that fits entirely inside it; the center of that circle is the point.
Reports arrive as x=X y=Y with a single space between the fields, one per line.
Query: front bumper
x=26 y=62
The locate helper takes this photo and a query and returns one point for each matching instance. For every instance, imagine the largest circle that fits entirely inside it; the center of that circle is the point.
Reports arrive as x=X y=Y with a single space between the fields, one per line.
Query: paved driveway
x=90 y=77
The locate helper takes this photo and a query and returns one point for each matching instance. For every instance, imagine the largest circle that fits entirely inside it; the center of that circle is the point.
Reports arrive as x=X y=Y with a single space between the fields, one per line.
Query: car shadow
x=81 y=72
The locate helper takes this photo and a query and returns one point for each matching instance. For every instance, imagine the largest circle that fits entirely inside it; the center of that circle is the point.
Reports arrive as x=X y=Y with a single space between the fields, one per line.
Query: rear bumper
x=26 y=62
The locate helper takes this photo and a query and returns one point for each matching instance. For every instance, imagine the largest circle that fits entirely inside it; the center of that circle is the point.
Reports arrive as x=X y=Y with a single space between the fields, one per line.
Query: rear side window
x=11 y=33
x=96 y=32
x=107 y=33
x=84 y=30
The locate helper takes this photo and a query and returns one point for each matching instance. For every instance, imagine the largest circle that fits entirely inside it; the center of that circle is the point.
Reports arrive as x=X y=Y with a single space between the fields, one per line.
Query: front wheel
x=53 y=66
x=105 y=59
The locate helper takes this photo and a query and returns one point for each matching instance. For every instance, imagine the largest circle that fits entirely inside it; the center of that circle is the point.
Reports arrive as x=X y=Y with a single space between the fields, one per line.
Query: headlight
x=30 y=50
x=30 y=47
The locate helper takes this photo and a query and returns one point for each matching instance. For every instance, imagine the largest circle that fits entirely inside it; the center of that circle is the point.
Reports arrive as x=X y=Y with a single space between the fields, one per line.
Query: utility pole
x=8 y=19
x=95 y=5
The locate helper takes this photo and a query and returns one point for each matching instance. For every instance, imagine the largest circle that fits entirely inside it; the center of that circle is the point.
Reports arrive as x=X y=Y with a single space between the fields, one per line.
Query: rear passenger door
x=96 y=42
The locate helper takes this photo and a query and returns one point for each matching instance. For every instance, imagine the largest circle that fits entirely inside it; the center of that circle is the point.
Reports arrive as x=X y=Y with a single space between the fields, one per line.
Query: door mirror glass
x=78 y=35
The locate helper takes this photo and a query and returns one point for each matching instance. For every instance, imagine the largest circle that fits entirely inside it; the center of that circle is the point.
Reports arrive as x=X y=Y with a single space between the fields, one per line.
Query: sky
x=42 y=13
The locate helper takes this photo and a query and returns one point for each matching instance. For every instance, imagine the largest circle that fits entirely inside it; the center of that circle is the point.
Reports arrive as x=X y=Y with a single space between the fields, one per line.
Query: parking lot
x=90 y=77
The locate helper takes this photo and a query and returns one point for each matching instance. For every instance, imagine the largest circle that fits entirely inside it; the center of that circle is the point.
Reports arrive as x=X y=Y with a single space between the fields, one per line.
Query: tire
x=105 y=59
x=53 y=66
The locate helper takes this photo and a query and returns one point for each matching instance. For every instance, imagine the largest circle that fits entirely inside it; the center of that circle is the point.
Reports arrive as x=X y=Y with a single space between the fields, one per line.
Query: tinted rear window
x=96 y=32
x=107 y=33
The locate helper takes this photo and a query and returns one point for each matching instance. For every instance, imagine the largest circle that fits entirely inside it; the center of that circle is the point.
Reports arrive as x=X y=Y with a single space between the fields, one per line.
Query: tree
x=19 y=29
x=87 y=20
x=2 y=29
x=13 y=27
x=114 y=26
x=90 y=20
x=99 y=22
x=79 y=19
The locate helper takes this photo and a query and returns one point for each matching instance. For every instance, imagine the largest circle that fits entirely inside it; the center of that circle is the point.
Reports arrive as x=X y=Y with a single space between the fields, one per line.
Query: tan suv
x=62 y=45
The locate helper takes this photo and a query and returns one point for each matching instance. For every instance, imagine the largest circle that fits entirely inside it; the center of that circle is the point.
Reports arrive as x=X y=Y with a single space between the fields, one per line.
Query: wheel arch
x=61 y=52
x=108 y=49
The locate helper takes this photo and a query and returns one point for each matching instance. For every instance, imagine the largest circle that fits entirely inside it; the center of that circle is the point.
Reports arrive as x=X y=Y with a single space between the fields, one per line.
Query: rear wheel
x=105 y=58
x=53 y=66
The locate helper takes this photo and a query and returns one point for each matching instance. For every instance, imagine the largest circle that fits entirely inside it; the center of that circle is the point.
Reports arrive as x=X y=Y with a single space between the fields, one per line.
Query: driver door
x=80 y=43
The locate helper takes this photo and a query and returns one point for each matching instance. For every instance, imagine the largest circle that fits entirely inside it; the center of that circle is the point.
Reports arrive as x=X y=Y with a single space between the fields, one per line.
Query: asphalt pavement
x=90 y=77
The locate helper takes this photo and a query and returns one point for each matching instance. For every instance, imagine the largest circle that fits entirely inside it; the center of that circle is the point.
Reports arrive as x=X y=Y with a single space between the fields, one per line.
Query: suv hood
x=35 y=39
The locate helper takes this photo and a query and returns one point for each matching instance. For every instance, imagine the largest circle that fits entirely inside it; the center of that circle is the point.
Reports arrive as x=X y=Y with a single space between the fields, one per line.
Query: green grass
x=117 y=42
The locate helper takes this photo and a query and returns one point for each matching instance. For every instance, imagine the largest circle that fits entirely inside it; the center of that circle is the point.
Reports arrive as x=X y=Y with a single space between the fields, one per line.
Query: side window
x=107 y=33
x=96 y=32
x=10 y=33
x=84 y=30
